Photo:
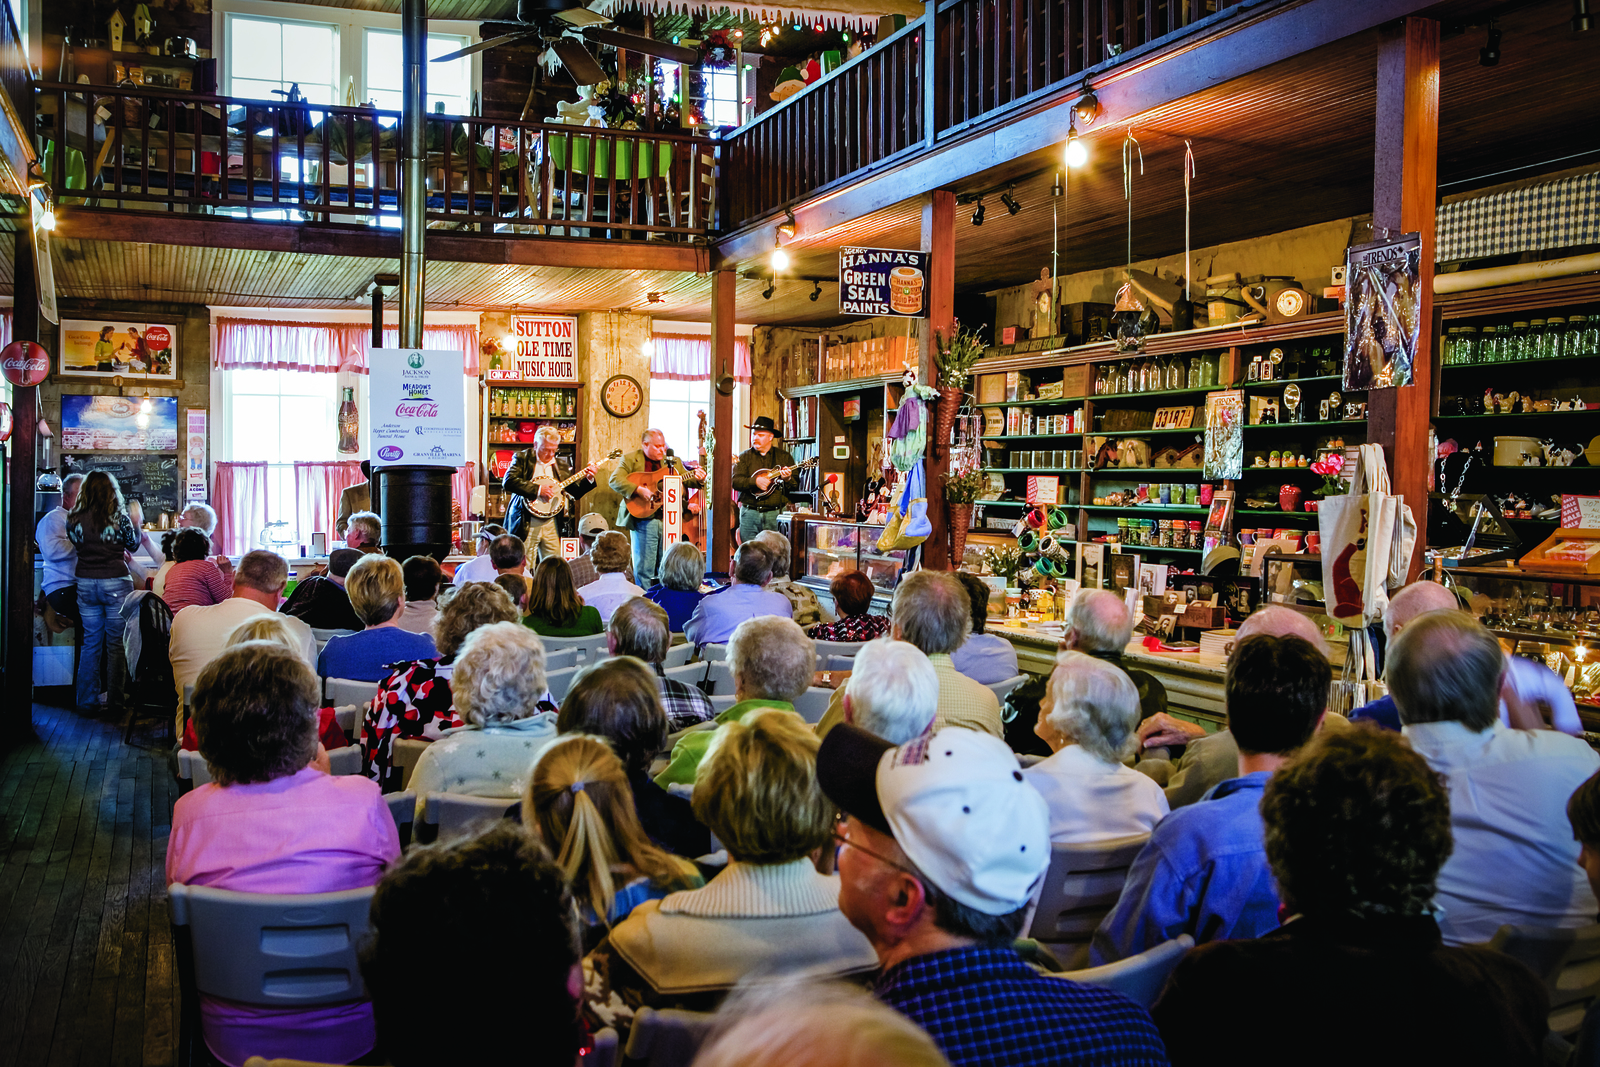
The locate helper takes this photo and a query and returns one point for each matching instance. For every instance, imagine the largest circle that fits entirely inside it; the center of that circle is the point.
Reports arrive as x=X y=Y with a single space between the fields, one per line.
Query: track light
x=816 y=291
x=1010 y=202
x=1582 y=20
x=977 y=213
x=780 y=259
x=772 y=287
x=1489 y=54
x=1087 y=109
x=786 y=227
x=1076 y=154
x=1057 y=186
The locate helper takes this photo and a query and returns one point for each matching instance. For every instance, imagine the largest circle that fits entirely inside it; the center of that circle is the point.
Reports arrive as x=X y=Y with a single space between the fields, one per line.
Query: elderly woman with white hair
x=893 y=691
x=498 y=681
x=772 y=662
x=1090 y=719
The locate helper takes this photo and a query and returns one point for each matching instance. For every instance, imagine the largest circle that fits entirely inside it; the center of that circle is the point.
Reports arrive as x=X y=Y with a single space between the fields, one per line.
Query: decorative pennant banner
x=671 y=510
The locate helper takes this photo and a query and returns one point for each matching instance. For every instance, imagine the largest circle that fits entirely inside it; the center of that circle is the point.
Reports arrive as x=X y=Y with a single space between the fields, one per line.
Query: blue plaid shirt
x=986 y=1006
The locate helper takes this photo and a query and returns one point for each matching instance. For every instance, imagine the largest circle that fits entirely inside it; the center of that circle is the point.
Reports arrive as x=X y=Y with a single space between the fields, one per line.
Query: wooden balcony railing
x=983 y=57
x=162 y=150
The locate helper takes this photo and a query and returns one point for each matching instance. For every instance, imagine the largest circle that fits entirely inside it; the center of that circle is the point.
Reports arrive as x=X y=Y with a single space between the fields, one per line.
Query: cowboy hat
x=763 y=422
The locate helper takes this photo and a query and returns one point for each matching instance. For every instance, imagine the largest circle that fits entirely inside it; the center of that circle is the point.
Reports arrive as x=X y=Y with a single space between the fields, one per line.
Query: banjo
x=541 y=509
x=777 y=476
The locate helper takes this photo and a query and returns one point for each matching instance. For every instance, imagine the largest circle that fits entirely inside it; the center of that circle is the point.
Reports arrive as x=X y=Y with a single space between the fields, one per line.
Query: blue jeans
x=646 y=551
x=100 y=661
x=753 y=522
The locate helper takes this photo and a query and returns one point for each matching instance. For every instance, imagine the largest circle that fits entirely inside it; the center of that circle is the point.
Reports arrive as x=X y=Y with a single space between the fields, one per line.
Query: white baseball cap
x=592 y=523
x=955 y=802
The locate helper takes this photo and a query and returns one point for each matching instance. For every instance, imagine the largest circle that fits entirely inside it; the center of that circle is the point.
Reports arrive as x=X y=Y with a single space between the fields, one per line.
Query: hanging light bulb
x=47 y=220
x=647 y=349
x=142 y=420
x=145 y=405
x=1076 y=154
x=780 y=259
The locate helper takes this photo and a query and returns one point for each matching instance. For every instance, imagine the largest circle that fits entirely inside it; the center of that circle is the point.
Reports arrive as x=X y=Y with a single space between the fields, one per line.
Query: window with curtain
x=250 y=344
x=279 y=418
x=674 y=408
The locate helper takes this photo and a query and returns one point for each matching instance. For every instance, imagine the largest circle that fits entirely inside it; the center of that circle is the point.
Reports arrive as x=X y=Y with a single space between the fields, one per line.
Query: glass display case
x=828 y=549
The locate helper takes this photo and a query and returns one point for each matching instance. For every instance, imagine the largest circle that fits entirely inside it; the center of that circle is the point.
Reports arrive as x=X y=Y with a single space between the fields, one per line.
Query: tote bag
x=1358 y=531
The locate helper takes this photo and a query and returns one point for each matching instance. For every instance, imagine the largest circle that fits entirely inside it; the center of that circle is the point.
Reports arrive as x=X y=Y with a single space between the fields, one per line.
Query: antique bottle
x=349 y=425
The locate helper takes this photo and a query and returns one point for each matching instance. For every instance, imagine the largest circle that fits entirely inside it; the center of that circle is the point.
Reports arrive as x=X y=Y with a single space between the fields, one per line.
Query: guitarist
x=756 y=515
x=533 y=476
x=650 y=459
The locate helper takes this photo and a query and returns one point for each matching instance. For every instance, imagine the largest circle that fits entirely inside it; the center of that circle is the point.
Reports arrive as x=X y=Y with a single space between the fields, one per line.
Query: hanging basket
x=944 y=419
x=960 y=519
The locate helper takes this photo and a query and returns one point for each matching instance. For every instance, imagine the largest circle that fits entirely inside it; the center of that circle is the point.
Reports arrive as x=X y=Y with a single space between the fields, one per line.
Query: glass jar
x=1553 y=342
x=1193 y=380
x=1180 y=373
x=1211 y=365
x=1100 y=380
x=1489 y=347
x=1447 y=351
x=1583 y=335
x=1516 y=345
x=1533 y=341
x=1468 y=351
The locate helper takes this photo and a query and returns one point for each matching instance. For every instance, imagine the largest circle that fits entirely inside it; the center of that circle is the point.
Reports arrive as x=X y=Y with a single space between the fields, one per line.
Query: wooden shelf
x=1036 y=403
x=1519 y=415
x=1303 y=425
x=1279 y=383
x=1031 y=436
x=1196 y=391
x=1143 y=433
x=1112 y=471
x=1134 y=509
x=1209 y=339
x=1518 y=364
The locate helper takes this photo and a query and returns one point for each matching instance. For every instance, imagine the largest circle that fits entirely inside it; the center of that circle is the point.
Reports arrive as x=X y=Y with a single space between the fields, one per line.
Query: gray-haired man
x=532 y=479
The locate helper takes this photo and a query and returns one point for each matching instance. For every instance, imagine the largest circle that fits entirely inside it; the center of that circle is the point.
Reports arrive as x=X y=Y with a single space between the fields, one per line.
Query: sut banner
x=418 y=413
x=883 y=281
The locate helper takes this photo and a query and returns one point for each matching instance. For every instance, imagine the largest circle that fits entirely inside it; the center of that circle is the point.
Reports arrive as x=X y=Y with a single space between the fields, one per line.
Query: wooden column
x=1405 y=192
x=719 y=542
x=939 y=239
x=17 y=717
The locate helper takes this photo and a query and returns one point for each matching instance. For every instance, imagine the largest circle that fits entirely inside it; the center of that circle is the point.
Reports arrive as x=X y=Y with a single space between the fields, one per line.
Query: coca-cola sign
x=24 y=363
x=425 y=410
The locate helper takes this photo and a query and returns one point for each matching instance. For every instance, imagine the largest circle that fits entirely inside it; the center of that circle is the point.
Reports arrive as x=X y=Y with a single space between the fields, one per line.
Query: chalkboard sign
x=155 y=480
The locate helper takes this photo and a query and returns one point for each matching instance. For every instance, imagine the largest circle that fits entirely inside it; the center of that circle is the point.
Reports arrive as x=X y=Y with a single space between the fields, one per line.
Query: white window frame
x=351 y=26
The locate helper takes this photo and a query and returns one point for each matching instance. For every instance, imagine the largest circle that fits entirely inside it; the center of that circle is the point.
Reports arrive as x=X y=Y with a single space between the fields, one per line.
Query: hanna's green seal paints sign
x=883 y=281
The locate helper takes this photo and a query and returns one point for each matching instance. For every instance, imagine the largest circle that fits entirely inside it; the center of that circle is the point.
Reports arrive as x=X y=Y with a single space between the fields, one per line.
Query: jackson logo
x=24 y=363
x=415 y=360
x=390 y=453
x=425 y=410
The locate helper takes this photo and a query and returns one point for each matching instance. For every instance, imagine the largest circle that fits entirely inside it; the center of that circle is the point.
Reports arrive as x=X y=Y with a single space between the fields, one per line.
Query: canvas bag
x=1358 y=532
x=914 y=506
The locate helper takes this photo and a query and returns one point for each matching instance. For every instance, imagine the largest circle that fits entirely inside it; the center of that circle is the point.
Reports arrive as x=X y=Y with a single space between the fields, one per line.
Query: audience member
x=194 y=578
x=933 y=611
x=579 y=805
x=893 y=691
x=423 y=576
x=1204 y=872
x=199 y=516
x=1583 y=813
x=415 y=701
x=747 y=597
x=618 y=699
x=364 y=533
x=322 y=601
x=1090 y=719
x=498 y=681
x=1101 y=626
x=275 y=628
x=610 y=555
x=683 y=568
x=805 y=609
x=203 y=631
x=814 y=1024
x=1532 y=696
x=944 y=847
x=1356 y=830
x=517 y=588
x=769 y=912
x=354 y=498
x=101 y=531
x=772 y=662
x=639 y=629
x=590 y=527
x=1508 y=788
x=985 y=658
x=554 y=607
x=59 y=555
x=480 y=568
x=852 y=596
x=248 y=830
x=195 y=516
x=491 y=911
x=1211 y=758
x=378 y=594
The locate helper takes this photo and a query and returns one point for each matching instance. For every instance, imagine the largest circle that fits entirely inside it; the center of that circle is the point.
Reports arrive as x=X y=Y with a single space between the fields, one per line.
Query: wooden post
x=1405 y=193
x=17 y=718
x=719 y=502
x=939 y=239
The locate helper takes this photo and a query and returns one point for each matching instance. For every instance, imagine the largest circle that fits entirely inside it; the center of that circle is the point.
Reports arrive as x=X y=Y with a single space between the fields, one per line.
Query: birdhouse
x=143 y=24
x=114 y=27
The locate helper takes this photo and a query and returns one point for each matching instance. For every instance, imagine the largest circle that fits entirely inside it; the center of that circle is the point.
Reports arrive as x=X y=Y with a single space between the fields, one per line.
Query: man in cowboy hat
x=758 y=514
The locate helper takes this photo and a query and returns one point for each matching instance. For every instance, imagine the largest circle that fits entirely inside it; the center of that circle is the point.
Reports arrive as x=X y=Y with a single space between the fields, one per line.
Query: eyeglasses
x=839 y=836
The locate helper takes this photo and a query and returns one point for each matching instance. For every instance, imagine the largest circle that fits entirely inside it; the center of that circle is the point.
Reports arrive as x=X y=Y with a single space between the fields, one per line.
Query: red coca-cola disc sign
x=5 y=422
x=24 y=363
x=157 y=338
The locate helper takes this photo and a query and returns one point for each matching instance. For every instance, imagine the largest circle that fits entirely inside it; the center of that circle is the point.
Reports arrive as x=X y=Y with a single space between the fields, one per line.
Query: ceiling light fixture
x=1582 y=20
x=1489 y=54
x=772 y=287
x=780 y=258
x=1087 y=109
x=1010 y=202
x=1076 y=154
x=786 y=227
x=977 y=213
x=648 y=349
x=816 y=291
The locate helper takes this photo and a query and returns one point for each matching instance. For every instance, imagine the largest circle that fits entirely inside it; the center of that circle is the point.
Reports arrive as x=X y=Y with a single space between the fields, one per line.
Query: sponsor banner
x=540 y=348
x=417 y=408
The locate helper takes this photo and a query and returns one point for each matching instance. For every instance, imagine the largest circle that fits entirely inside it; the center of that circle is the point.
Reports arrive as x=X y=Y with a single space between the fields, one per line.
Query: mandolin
x=541 y=508
x=638 y=506
x=778 y=476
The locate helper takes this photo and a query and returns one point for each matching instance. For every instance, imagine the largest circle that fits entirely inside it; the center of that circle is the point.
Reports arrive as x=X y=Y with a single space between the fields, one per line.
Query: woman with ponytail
x=579 y=804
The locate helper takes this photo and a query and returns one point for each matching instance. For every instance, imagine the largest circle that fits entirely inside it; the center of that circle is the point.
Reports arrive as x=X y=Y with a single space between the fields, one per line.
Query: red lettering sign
x=425 y=410
x=24 y=363
x=158 y=337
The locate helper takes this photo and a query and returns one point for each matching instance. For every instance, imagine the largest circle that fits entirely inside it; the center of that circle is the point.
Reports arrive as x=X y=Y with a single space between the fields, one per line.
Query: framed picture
x=116 y=424
x=106 y=349
x=1221 y=514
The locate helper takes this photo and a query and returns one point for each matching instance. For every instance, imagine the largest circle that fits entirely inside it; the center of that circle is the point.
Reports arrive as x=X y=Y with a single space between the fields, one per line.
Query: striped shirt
x=195 y=581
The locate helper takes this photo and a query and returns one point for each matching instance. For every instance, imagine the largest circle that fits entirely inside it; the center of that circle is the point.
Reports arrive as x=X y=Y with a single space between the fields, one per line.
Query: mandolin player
x=537 y=499
x=638 y=479
x=761 y=467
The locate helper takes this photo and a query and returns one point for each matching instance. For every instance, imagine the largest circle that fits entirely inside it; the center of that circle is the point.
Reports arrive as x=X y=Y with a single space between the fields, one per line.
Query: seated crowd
x=854 y=891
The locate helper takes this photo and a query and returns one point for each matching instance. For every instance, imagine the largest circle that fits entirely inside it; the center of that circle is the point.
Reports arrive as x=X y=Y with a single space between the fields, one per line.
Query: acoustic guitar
x=778 y=476
x=541 y=508
x=638 y=506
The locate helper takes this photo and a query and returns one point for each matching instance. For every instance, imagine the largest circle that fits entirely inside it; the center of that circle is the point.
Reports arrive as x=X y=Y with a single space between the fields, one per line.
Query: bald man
x=1212 y=758
x=1532 y=696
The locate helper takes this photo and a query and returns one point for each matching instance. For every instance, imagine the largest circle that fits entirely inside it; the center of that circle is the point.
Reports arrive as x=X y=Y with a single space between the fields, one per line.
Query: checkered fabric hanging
x=1551 y=215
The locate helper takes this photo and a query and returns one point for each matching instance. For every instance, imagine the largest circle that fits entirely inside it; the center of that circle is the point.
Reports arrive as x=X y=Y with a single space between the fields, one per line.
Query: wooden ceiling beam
x=89 y=224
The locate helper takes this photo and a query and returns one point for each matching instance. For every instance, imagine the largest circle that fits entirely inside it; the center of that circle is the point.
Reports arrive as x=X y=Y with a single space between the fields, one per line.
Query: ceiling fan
x=563 y=28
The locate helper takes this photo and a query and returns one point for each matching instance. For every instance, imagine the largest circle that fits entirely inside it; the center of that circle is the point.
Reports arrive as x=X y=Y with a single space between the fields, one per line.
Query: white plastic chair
x=344 y=761
x=342 y=691
x=323 y=636
x=403 y=810
x=589 y=649
x=274 y=950
x=192 y=770
x=407 y=750
x=687 y=673
x=1000 y=689
x=720 y=675
x=722 y=703
x=558 y=682
x=451 y=815
x=560 y=659
x=1139 y=978
x=667 y=1037
x=677 y=656
x=1080 y=888
x=812 y=705
x=713 y=652
x=838 y=648
x=347 y=717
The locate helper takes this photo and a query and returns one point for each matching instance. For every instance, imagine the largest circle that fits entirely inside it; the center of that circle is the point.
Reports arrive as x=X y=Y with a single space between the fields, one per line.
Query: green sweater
x=691 y=747
x=585 y=625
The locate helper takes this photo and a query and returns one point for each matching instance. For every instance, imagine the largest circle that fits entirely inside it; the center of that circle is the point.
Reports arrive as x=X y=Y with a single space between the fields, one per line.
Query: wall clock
x=622 y=395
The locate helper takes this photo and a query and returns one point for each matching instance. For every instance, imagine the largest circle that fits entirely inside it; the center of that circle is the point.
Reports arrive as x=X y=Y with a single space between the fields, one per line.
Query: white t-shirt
x=480 y=569
x=1091 y=800
x=200 y=632
x=56 y=550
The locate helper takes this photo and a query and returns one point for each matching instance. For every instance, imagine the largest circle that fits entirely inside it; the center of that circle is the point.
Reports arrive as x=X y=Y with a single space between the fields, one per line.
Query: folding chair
x=812 y=705
x=346 y=760
x=837 y=648
x=589 y=649
x=1139 y=978
x=403 y=809
x=192 y=770
x=677 y=656
x=558 y=682
x=724 y=702
x=342 y=691
x=667 y=1037
x=713 y=652
x=560 y=659
x=687 y=673
x=347 y=717
x=451 y=815
x=1080 y=889
x=407 y=750
x=719 y=677
x=1000 y=689
x=323 y=636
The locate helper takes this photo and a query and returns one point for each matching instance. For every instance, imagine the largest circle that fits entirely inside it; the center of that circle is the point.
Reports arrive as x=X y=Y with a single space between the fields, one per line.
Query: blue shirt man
x=1204 y=870
x=719 y=614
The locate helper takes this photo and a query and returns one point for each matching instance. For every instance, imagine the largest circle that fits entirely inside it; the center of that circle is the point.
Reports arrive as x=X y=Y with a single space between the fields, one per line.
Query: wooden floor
x=86 y=968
